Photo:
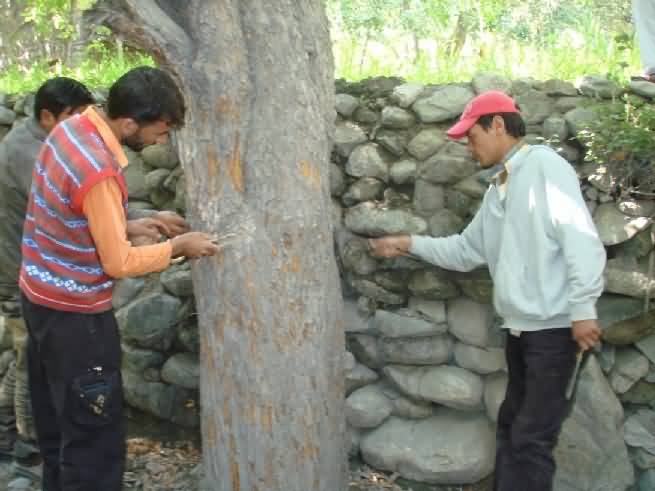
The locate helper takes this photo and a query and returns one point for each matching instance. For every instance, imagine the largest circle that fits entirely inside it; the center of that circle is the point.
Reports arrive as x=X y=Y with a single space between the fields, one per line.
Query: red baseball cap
x=490 y=102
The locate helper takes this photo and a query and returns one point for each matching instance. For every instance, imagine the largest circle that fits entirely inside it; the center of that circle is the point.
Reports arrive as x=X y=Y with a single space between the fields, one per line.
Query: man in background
x=643 y=12
x=56 y=100
x=534 y=232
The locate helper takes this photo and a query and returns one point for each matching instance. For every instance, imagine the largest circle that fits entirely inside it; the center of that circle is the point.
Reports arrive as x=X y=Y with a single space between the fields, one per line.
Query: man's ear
x=498 y=124
x=46 y=119
x=128 y=127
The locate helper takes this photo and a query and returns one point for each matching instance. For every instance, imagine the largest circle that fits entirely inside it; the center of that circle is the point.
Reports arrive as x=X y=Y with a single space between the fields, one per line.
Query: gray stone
x=579 y=119
x=169 y=402
x=365 y=115
x=633 y=329
x=392 y=141
x=479 y=360
x=483 y=82
x=452 y=164
x=7 y=116
x=556 y=88
x=406 y=94
x=353 y=320
x=647 y=347
x=535 y=106
x=643 y=88
x=431 y=350
x=404 y=407
x=347 y=136
x=650 y=377
x=367 y=407
x=182 y=369
x=599 y=87
x=521 y=86
x=555 y=128
x=477 y=286
x=403 y=171
x=374 y=221
x=138 y=360
x=447 y=385
x=459 y=203
x=640 y=430
x=404 y=324
x=432 y=309
x=394 y=281
x=126 y=290
x=189 y=338
x=364 y=189
x=463 y=453
x=359 y=376
x=149 y=321
x=444 y=104
x=641 y=393
x=635 y=207
x=647 y=479
x=160 y=156
x=156 y=178
x=426 y=143
x=353 y=437
x=444 y=223
x=428 y=197
x=591 y=453
x=432 y=285
x=642 y=459
x=630 y=366
x=607 y=357
x=395 y=117
x=346 y=104
x=495 y=387
x=337 y=180
x=177 y=280
x=568 y=152
x=628 y=279
x=614 y=227
x=20 y=484
x=469 y=321
x=366 y=161
x=565 y=104
x=135 y=176
x=180 y=194
x=170 y=183
x=356 y=258
x=365 y=349
x=376 y=292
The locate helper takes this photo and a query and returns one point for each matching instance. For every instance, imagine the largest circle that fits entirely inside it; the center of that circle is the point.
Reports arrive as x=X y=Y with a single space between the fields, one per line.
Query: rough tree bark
x=258 y=82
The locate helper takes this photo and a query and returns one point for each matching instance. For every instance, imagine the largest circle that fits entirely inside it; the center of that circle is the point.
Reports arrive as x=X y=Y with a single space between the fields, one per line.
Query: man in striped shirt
x=74 y=246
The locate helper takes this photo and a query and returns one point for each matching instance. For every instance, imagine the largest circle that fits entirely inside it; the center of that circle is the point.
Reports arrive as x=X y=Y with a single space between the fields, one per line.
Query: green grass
x=101 y=72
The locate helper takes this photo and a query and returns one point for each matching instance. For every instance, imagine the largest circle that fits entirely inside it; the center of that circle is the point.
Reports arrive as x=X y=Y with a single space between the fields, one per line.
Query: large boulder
x=372 y=220
x=149 y=321
x=367 y=407
x=444 y=104
x=462 y=453
x=447 y=385
x=614 y=227
x=182 y=369
x=591 y=454
x=405 y=324
x=432 y=350
x=469 y=321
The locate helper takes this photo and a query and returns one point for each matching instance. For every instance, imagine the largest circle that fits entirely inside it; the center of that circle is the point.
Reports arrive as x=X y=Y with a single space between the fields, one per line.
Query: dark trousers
x=77 y=398
x=540 y=365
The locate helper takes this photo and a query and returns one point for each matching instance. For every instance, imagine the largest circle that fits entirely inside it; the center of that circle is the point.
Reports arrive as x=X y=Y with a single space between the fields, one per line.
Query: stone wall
x=425 y=371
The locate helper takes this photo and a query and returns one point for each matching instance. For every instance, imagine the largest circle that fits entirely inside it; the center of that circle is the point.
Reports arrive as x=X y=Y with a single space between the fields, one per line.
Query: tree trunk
x=258 y=83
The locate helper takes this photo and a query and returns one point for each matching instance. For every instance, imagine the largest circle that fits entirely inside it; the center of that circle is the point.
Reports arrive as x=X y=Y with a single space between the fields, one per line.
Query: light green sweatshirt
x=538 y=240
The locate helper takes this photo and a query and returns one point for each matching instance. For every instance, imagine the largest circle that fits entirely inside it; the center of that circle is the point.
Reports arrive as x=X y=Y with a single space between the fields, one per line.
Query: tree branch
x=145 y=24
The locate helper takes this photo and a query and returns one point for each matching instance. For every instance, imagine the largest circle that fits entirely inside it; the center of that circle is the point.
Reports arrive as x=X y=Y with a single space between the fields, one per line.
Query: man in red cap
x=535 y=234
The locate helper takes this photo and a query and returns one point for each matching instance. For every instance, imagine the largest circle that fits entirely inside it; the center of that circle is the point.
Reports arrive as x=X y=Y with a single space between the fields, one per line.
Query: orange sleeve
x=104 y=212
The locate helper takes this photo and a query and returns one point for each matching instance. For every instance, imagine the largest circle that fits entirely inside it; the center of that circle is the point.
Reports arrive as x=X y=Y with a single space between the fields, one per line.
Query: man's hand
x=194 y=245
x=150 y=228
x=174 y=223
x=586 y=333
x=390 y=246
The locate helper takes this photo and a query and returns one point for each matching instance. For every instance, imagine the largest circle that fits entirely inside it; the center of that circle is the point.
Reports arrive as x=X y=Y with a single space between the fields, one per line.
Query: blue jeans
x=540 y=365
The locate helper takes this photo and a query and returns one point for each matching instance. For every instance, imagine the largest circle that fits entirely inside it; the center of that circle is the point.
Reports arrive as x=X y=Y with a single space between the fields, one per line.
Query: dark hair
x=146 y=95
x=60 y=93
x=514 y=123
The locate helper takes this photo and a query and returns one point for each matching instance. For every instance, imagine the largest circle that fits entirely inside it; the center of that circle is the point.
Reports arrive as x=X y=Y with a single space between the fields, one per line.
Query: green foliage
x=621 y=142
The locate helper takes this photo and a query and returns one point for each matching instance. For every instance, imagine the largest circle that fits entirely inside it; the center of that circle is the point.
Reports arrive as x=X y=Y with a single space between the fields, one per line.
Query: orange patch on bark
x=234 y=167
x=311 y=174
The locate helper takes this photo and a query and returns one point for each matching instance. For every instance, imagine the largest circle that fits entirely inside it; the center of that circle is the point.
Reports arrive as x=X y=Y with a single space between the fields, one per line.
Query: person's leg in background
x=643 y=12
